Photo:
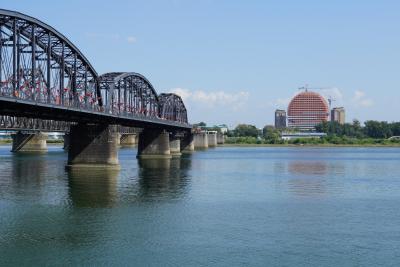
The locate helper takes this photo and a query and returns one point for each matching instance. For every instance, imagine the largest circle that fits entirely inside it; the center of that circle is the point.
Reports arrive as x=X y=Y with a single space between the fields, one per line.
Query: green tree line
x=371 y=129
x=371 y=133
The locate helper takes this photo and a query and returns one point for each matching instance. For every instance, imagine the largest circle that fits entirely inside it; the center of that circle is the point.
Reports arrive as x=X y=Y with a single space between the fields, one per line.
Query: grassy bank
x=9 y=141
x=306 y=145
x=323 y=142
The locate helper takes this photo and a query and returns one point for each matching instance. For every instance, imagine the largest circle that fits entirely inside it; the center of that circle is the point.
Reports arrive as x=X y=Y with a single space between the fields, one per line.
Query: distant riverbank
x=389 y=144
x=310 y=145
x=9 y=141
x=330 y=141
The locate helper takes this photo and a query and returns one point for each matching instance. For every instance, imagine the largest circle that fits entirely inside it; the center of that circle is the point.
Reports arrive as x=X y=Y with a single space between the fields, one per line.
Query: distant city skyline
x=236 y=62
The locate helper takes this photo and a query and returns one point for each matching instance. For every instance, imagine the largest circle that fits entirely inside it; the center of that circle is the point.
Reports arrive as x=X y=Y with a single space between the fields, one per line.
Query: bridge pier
x=175 y=146
x=66 y=141
x=187 y=143
x=29 y=142
x=200 y=141
x=128 y=139
x=212 y=139
x=118 y=139
x=93 y=146
x=153 y=143
x=220 y=138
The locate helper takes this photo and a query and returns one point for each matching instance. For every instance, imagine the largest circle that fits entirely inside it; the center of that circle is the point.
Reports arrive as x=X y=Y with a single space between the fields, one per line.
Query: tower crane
x=330 y=100
x=306 y=88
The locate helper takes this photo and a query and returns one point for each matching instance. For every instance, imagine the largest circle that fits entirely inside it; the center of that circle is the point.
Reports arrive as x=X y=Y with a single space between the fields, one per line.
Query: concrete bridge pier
x=153 y=143
x=200 y=141
x=66 y=141
x=29 y=142
x=220 y=138
x=119 y=139
x=187 y=143
x=174 y=146
x=212 y=139
x=93 y=146
x=128 y=139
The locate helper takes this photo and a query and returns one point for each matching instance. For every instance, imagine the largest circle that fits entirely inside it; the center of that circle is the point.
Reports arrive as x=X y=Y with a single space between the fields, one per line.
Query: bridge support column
x=128 y=139
x=187 y=143
x=66 y=141
x=118 y=139
x=93 y=146
x=153 y=143
x=175 y=146
x=212 y=139
x=220 y=138
x=200 y=141
x=29 y=142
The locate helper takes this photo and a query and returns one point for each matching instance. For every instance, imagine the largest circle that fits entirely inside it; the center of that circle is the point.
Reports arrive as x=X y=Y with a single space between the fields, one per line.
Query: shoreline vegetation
x=371 y=134
x=49 y=142
x=300 y=142
x=320 y=142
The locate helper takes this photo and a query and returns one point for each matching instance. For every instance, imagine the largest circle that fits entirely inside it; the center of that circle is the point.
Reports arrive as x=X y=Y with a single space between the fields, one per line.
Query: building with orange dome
x=306 y=110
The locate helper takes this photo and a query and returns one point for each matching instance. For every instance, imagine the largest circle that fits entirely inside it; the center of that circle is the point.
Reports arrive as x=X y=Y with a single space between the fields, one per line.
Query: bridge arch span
x=40 y=64
x=128 y=93
x=44 y=76
x=172 y=108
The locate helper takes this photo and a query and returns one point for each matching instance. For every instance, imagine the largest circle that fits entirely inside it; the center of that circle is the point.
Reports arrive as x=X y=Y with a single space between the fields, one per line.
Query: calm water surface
x=221 y=207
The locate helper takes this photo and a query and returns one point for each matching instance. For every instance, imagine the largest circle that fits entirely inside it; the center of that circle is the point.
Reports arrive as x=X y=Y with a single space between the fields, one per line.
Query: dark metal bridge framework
x=44 y=76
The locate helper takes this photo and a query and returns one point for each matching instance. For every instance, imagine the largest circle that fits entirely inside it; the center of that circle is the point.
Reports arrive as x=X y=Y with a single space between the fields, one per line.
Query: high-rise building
x=280 y=119
x=338 y=114
x=306 y=110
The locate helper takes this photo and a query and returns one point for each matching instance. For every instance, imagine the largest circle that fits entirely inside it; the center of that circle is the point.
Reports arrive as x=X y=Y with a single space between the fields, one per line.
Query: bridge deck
x=23 y=108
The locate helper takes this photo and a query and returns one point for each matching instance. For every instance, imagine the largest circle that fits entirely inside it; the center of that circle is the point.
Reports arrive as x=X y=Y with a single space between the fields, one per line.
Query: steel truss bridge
x=47 y=83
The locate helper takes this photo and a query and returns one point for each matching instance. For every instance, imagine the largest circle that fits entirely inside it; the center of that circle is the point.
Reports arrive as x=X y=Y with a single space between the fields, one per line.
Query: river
x=229 y=206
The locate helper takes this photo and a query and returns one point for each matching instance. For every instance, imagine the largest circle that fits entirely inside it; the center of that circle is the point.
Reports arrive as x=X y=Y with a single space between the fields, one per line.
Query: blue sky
x=237 y=61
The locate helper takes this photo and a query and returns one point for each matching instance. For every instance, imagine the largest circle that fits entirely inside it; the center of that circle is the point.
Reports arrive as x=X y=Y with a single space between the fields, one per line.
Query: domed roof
x=308 y=101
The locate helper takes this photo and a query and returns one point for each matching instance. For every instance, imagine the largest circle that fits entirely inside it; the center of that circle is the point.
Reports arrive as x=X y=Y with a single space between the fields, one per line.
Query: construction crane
x=330 y=100
x=306 y=88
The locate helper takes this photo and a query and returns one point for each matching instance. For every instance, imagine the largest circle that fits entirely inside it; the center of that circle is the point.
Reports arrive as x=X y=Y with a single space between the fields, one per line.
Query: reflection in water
x=307 y=177
x=163 y=178
x=159 y=216
x=92 y=188
x=32 y=175
x=308 y=167
x=28 y=168
x=155 y=179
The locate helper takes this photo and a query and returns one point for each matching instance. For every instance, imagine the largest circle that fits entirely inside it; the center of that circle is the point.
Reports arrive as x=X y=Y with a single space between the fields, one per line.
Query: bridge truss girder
x=40 y=64
x=33 y=124
x=172 y=108
x=128 y=93
x=44 y=76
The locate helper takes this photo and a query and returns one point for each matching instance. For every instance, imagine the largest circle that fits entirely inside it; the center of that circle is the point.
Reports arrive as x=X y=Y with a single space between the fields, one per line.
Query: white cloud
x=234 y=101
x=183 y=93
x=360 y=99
x=131 y=39
x=278 y=103
x=105 y=36
x=333 y=93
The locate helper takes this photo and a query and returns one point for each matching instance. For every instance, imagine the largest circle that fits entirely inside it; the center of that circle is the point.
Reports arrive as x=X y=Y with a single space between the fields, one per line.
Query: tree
x=271 y=134
x=376 y=129
x=395 y=128
x=246 y=130
x=323 y=127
